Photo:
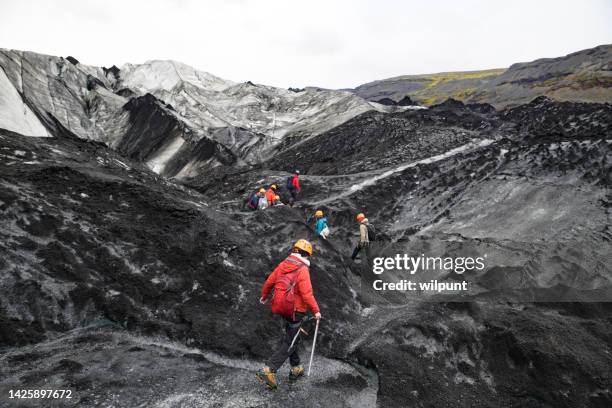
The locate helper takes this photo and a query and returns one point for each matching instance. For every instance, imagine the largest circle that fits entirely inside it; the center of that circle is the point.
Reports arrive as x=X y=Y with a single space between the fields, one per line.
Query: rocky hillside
x=583 y=76
x=94 y=242
x=135 y=289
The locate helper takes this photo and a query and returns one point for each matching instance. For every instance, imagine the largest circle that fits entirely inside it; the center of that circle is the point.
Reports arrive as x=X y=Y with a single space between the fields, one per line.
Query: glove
x=317 y=315
x=263 y=301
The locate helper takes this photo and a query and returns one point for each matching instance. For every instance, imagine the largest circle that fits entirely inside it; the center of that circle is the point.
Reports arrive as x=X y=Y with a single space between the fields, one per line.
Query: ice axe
x=314 y=342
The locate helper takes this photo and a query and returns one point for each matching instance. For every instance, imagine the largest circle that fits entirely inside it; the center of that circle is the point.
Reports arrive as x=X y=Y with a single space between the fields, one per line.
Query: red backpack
x=283 y=300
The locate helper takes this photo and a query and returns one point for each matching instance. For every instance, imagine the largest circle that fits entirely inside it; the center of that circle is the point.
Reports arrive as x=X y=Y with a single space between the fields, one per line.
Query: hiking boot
x=267 y=377
x=296 y=372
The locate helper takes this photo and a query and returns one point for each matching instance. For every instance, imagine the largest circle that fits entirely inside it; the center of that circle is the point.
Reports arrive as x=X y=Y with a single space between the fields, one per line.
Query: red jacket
x=303 y=294
x=296 y=183
x=270 y=194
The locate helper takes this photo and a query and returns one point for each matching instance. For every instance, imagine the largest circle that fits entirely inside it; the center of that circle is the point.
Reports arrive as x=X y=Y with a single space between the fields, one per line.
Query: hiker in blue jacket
x=321 y=227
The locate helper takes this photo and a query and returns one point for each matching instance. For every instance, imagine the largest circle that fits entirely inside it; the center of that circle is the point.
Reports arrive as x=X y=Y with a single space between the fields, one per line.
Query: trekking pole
x=294 y=339
x=305 y=319
x=314 y=342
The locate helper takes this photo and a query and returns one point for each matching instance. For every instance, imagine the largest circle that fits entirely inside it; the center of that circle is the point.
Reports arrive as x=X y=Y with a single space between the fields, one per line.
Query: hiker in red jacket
x=296 y=264
x=293 y=185
x=270 y=194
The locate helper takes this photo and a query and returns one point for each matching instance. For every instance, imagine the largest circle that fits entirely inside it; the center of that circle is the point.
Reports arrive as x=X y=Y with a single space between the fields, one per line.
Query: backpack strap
x=295 y=271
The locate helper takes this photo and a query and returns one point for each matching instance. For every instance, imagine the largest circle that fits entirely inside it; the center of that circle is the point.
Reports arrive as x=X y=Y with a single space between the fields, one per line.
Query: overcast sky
x=328 y=43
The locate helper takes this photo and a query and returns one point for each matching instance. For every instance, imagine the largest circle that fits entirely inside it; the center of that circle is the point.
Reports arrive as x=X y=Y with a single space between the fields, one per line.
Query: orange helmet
x=318 y=213
x=304 y=246
x=360 y=217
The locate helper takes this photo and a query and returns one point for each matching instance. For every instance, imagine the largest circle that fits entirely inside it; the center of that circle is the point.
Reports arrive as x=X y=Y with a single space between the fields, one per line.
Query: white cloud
x=325 y=43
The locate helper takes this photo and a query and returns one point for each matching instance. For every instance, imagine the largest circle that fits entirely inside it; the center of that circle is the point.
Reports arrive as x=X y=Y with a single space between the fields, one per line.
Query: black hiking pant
x=294 y=194
x=292 y=328
x=358 y=249
x=356 y=252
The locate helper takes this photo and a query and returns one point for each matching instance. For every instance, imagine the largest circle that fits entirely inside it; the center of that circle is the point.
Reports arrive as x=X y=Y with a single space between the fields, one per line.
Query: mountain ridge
x=553 y=77
x=248 y=120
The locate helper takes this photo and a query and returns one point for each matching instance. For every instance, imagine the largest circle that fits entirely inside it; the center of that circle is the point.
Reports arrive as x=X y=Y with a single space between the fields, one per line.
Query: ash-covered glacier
x=131 y=268
x=232 y=123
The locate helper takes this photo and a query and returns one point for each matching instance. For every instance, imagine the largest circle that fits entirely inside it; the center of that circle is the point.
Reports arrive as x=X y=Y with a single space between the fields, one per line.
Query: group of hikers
x=290 y=290
x=263 y=198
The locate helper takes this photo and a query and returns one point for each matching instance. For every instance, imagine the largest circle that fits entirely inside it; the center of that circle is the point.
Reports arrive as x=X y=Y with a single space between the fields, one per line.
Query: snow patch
x=15 y=115
x=122 y=164
x=461 y=378
x=242 y=294
x=158 y=163
x=165 y=75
